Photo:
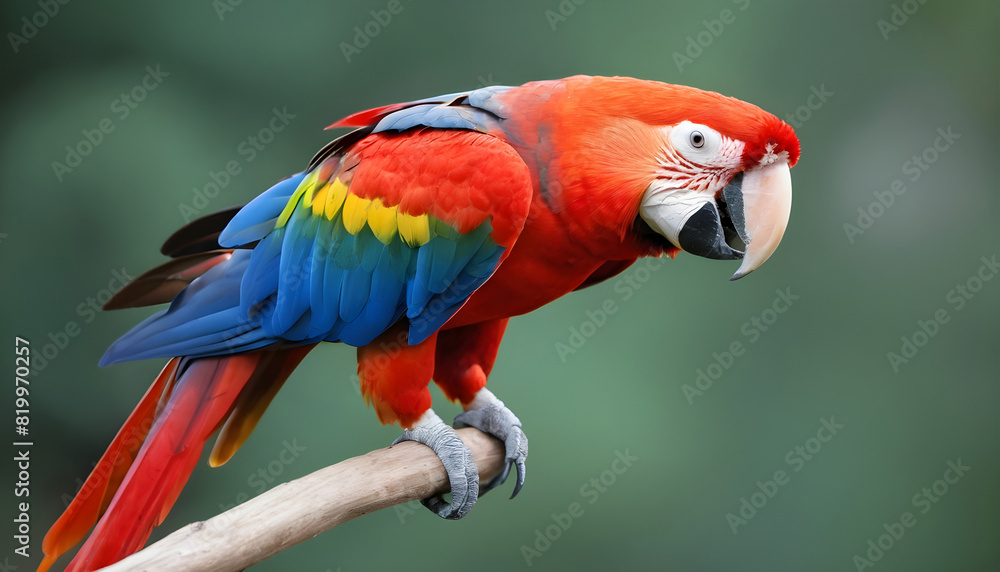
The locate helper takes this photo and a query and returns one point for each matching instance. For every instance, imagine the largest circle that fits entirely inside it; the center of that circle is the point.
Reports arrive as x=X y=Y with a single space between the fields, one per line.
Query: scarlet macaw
x=415 y=238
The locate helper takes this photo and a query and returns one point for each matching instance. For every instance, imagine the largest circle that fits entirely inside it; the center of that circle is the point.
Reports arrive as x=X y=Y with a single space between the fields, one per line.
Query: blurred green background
x=886 y=93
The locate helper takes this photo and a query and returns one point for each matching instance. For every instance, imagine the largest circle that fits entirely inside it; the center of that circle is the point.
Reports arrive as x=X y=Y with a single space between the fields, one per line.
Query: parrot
x=415 y=237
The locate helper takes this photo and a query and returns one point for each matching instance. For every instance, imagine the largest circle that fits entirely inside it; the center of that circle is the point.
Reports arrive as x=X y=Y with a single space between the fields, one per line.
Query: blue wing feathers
x=330 y=296
x=347 y=255
x=478 y=110
x=354 y=292
x=442 y=255
x=199 y=321
x=262 y=275
x=322 y=318
x=256 y=219
x=441 y=307
x=294 y=273
x=294 y=287
x=310 y=280
x=465 y=251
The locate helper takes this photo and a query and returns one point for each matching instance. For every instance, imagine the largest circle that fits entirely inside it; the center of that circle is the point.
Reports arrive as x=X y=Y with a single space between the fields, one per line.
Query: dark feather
x=161 y=284
x=338 y=145
x=609 y=269
x=199 y=235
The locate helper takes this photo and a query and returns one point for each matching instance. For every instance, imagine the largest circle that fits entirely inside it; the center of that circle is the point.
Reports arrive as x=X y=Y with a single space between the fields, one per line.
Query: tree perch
x=303 y=508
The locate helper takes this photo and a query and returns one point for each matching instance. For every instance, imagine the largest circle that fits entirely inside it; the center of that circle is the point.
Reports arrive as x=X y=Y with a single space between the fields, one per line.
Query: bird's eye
x=695 y=142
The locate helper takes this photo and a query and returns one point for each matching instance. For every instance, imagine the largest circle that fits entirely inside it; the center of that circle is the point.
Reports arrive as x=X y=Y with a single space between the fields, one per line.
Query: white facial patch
x=696 y=143
x=697 y=157
x=667 y=209
x=695 y=164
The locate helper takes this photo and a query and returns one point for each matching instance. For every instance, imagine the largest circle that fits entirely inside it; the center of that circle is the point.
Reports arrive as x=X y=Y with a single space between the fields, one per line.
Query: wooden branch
x=301 y=509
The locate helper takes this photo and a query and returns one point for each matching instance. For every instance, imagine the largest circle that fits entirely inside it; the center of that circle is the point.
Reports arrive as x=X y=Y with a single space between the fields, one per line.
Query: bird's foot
x=491 y=416
x=458 y=462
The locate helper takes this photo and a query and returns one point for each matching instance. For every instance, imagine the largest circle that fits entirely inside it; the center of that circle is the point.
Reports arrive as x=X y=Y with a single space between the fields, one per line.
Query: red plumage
x=560 y=169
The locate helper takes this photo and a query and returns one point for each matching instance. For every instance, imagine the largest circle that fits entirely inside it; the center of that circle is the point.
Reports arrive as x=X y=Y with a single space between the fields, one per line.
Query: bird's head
x=695 y=168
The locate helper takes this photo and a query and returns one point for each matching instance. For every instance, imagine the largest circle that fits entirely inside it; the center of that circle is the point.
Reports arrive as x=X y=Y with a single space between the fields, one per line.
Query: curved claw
x=463 y=475
x=491 y=416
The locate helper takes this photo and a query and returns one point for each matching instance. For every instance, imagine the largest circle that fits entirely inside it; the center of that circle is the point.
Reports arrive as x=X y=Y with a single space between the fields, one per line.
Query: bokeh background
x=888 y=88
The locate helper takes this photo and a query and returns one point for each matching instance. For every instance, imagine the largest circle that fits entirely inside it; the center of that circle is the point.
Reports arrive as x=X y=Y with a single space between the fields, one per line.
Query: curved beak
x=754 y=205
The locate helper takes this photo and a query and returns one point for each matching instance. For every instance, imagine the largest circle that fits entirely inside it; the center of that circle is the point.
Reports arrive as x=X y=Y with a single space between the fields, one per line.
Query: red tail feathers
x=93 y=498
x=138 y=479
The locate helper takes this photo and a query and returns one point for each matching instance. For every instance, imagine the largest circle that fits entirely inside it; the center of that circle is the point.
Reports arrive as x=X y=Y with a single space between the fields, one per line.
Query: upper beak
x=757 y=201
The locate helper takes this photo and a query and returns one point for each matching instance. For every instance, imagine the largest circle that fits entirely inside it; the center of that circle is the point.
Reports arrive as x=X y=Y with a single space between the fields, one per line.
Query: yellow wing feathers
x=333 y=197
x=336 y=192
x=414 y=230
x=382 y=221
x=355 y=213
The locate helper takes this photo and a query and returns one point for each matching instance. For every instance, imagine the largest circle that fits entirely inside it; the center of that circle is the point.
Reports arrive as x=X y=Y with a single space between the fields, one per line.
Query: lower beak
x=755 y=205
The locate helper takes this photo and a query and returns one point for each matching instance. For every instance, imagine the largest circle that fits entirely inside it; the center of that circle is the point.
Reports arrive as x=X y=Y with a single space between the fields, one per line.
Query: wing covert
x=398 y=225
